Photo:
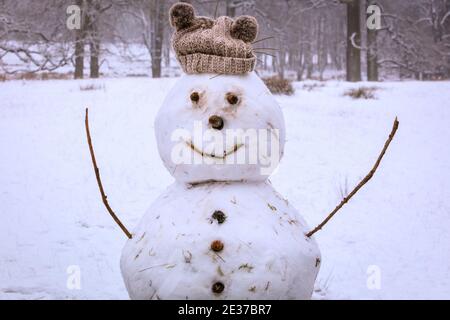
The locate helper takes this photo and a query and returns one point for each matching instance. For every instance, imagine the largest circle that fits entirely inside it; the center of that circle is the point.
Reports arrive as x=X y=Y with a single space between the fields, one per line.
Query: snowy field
x=52 y=218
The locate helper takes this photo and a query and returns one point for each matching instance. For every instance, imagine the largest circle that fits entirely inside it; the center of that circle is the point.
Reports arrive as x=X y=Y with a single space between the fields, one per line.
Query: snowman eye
x=232 y=98
x=195 y=97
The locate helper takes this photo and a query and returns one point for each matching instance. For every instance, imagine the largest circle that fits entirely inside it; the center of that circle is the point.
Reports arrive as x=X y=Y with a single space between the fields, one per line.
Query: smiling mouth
x=225 y=154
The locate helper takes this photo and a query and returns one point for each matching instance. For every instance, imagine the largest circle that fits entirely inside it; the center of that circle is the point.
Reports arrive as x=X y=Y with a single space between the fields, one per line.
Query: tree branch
x=99 y=181
x=361 y=184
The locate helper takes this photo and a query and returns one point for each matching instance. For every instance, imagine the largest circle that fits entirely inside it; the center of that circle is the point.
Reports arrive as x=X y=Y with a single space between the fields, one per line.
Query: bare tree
x=92 y=22
x=322 y=53
x=300 y=38
x=231 y=8
x=33 y=36
x=372 y=49
x=150 y=16
x=79 y=47
x=353 y=40
x=415 y=38
x=157 y=18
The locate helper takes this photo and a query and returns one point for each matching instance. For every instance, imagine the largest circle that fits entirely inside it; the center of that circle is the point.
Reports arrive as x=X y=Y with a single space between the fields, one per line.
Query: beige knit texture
x=208 y=47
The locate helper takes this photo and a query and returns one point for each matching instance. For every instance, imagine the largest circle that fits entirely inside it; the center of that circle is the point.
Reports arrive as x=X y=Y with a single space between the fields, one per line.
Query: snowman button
x=232 y=98
x=219 y=216
x=217 y=245
x=195 y=97
x=218 y=287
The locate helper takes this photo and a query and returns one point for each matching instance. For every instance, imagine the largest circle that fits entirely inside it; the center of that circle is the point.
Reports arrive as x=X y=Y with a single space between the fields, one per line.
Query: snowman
x=220 y=231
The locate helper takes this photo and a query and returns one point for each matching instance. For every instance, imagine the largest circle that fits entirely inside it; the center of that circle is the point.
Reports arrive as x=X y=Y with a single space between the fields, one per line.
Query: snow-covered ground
x=52 y=221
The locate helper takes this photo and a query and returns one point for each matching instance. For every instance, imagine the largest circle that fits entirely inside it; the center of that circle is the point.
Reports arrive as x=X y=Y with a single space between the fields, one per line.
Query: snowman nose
x=216 y=122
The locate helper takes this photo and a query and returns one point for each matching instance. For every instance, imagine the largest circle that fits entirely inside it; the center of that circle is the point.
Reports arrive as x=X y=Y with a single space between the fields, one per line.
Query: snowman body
x=265 y=253
x=220 y=231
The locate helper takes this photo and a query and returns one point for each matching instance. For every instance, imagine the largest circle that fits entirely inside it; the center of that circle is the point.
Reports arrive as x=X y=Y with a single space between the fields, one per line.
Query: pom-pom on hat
x=204 y=45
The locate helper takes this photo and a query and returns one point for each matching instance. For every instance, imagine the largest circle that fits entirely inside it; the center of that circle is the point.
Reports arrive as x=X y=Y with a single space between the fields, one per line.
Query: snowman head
x=219 y=122
x=226 y=128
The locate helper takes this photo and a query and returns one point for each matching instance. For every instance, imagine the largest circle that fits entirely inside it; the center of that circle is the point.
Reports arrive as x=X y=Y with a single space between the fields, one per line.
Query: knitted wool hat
x=204 y=45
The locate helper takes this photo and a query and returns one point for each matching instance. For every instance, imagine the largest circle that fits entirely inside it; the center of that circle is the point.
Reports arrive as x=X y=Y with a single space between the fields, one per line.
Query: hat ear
x=182 y=15
x=245 y=28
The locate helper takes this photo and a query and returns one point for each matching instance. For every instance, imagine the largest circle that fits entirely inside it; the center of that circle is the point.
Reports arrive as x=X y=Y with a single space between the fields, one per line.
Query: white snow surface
x=52 y=218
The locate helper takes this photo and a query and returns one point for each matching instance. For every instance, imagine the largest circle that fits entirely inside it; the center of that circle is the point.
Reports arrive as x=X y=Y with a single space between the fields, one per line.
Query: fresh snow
x=52 y=217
